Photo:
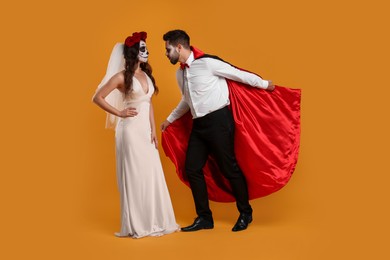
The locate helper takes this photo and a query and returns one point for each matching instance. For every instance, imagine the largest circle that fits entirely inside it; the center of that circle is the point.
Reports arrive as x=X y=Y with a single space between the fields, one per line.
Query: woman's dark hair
x=131 y=59
x=175 y=37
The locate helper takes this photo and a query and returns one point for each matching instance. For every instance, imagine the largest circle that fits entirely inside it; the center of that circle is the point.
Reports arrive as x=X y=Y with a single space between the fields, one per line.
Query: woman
x=146 y=208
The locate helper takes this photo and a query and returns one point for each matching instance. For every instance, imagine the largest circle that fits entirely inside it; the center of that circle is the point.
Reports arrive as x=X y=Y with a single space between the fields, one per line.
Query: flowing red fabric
x=267 y=136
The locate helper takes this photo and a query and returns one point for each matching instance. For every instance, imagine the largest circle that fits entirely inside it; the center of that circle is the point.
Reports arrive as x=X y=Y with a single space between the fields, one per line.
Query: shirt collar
x=190 y=59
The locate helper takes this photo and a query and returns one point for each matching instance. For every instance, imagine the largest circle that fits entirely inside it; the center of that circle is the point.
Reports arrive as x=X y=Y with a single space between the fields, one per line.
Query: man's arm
x=181 y=108
x=178 y=112
x=223 y=69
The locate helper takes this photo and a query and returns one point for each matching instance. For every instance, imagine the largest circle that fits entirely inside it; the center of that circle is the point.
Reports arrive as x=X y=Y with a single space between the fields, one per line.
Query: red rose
x=135 y=38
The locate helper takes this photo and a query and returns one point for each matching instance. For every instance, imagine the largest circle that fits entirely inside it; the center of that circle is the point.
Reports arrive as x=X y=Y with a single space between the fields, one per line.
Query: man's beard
x=174 y=59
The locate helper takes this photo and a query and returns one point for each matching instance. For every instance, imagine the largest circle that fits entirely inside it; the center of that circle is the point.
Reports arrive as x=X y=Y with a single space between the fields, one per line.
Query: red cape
x=267 y=139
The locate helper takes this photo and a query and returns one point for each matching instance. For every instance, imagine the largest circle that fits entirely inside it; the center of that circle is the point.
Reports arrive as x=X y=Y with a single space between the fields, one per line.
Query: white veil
x=115 y=98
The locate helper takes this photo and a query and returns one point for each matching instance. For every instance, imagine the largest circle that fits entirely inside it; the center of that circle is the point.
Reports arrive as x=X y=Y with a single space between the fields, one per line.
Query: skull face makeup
x=143 y=52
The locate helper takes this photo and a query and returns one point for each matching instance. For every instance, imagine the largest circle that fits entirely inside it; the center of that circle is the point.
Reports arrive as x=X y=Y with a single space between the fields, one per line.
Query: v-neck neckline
x=147 y=83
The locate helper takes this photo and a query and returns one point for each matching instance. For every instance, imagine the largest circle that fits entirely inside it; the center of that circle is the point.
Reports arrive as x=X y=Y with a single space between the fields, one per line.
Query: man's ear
x=179 y=47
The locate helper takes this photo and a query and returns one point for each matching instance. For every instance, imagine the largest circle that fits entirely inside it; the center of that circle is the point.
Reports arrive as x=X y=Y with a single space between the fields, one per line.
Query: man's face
x=171 y=53
x=143 y=52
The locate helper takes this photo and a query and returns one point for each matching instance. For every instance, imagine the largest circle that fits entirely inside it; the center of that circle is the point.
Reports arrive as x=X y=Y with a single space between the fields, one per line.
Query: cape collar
x=197 y=54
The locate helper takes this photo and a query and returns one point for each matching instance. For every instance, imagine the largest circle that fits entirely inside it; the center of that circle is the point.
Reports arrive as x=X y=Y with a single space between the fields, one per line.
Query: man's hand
x=271 y=86
x=164 y=125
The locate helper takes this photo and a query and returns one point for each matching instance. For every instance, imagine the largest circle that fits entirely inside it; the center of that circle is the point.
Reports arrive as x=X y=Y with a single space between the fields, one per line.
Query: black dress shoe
x=242 y=222
x=199 y=223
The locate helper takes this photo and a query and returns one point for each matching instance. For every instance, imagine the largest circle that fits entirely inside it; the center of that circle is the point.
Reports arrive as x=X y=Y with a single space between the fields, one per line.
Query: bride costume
x=146 y=208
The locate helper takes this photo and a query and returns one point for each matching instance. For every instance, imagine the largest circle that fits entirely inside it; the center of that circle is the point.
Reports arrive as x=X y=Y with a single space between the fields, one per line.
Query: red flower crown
x=135 y=38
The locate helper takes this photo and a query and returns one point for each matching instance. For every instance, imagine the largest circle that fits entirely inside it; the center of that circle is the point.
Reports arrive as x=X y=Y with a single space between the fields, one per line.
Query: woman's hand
x=128 y=112
x=154 y=139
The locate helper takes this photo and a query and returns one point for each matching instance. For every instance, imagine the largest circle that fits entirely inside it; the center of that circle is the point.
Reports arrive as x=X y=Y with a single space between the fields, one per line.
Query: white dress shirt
x=204 y=88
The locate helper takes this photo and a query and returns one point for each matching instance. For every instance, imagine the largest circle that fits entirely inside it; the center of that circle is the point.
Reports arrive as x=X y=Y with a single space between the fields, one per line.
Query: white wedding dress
x=146 y=208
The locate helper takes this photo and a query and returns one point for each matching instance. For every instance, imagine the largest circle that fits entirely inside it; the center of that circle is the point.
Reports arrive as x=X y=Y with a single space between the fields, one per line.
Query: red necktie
x=183 y=65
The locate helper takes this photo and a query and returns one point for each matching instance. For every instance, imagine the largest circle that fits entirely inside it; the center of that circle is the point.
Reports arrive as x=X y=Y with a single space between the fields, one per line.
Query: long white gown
x=146 y=208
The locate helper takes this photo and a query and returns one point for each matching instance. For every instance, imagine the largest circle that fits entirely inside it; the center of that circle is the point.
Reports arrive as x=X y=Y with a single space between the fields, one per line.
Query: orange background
x=58 y=190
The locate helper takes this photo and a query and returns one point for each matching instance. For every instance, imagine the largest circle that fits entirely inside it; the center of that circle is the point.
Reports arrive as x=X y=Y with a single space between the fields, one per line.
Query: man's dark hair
x=176 y=37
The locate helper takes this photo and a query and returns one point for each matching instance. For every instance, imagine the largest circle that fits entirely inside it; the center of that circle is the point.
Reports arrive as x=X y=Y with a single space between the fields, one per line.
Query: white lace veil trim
x=115 y=98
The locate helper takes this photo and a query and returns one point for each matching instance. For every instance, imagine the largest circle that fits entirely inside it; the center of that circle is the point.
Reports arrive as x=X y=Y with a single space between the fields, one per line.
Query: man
x=202 y=81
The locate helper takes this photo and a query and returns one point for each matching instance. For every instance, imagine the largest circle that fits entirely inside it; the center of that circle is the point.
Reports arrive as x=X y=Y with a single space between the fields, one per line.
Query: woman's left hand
x=154 y=139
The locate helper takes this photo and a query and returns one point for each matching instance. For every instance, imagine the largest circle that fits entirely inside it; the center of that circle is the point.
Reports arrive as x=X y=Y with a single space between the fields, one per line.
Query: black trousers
x=214 y=133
